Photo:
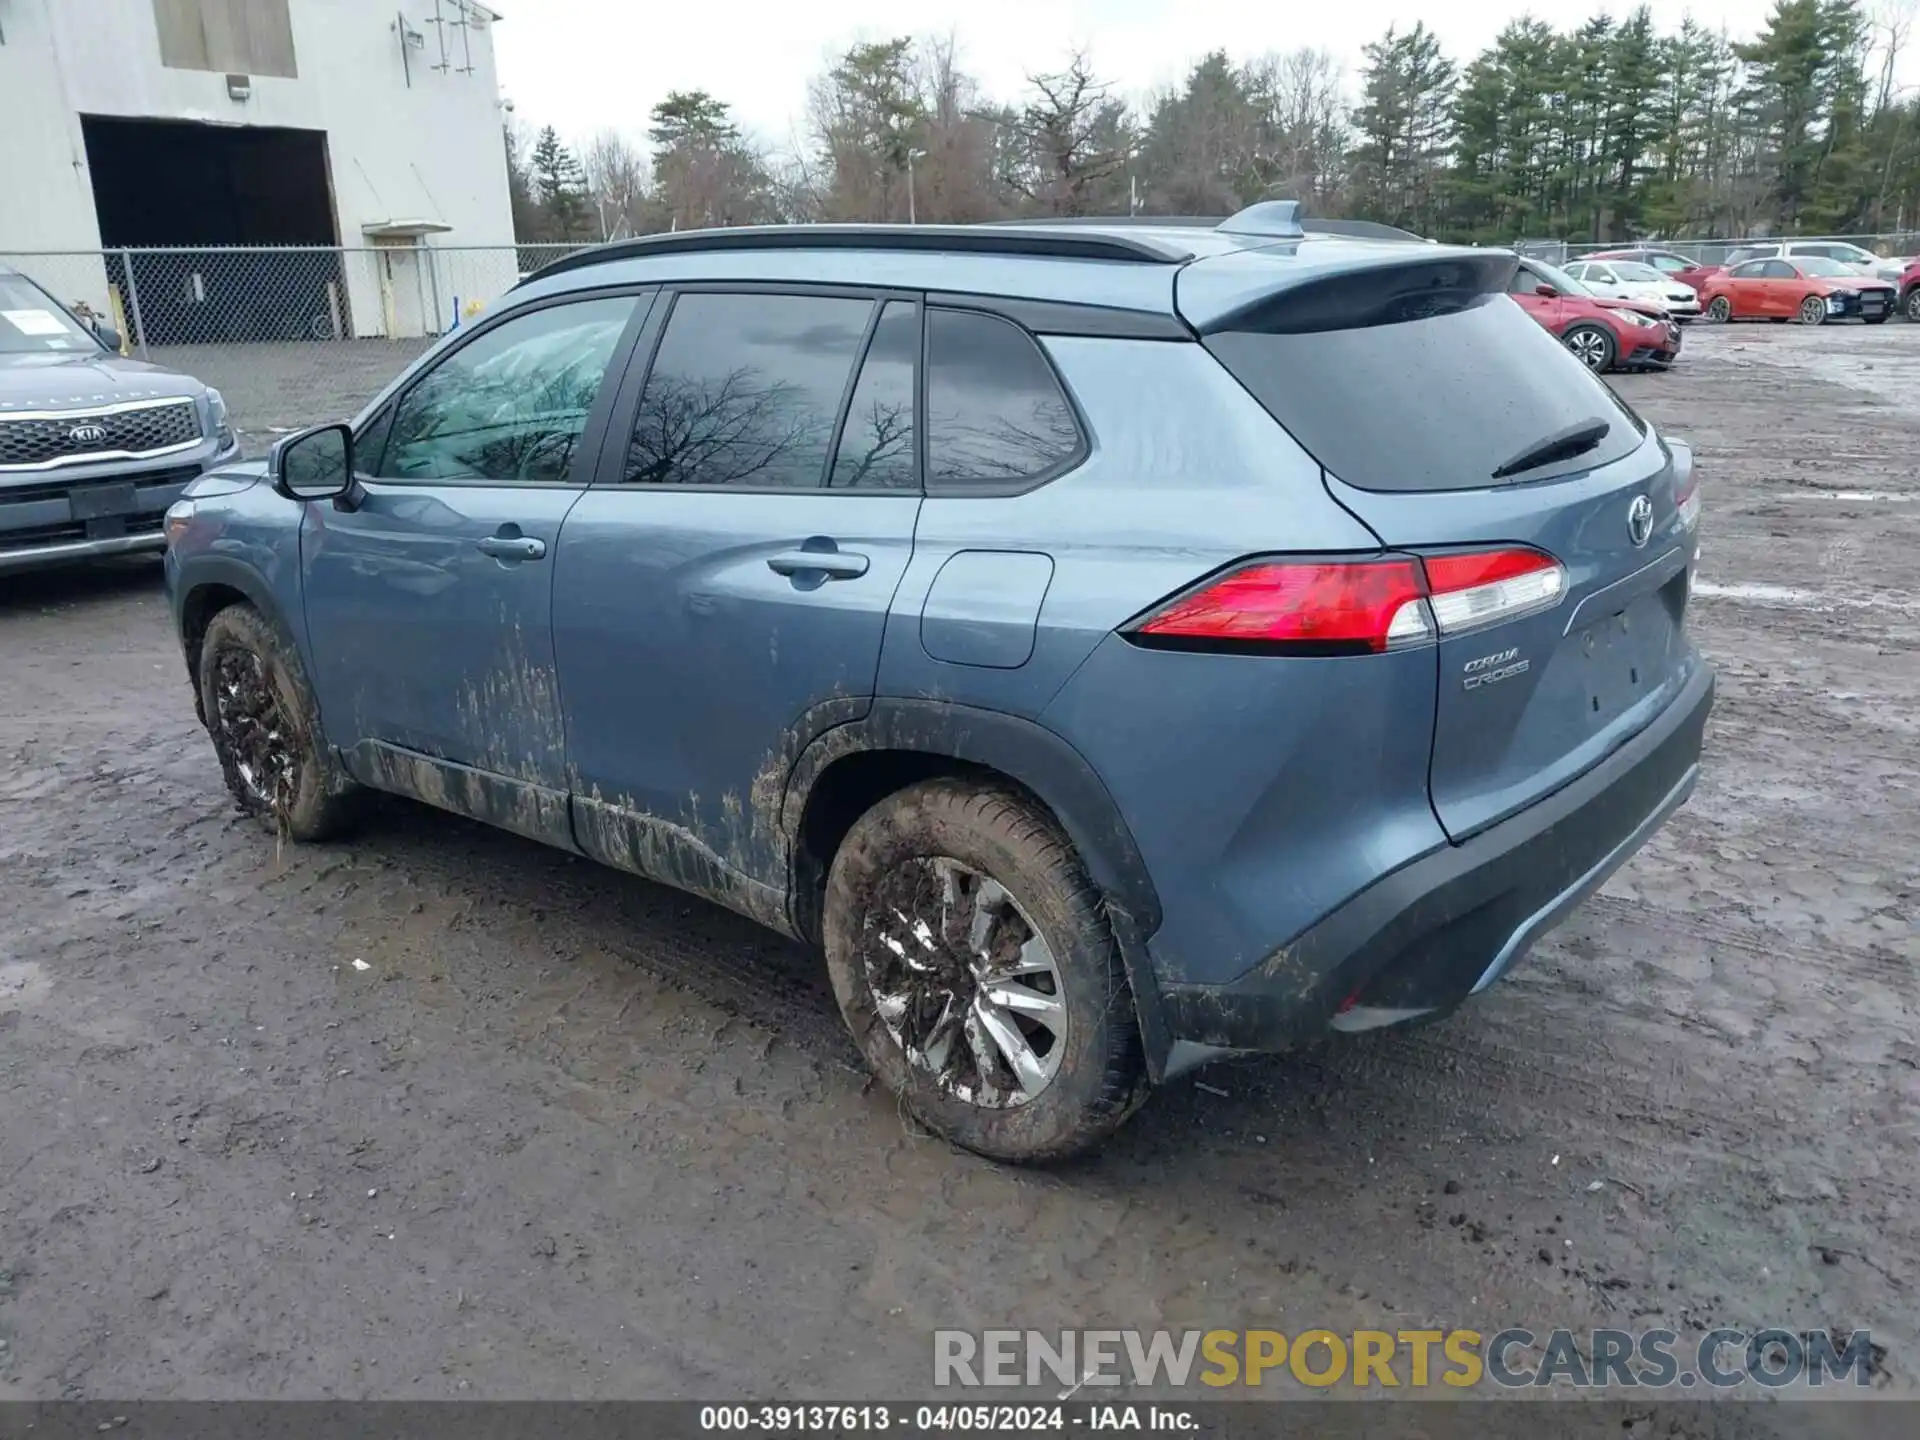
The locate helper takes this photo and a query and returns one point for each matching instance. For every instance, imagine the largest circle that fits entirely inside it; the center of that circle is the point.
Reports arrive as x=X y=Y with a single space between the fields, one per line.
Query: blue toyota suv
x=1116 y=646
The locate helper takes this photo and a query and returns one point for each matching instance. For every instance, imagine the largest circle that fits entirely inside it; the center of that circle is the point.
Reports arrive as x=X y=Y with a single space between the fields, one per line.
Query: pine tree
x=560 y=185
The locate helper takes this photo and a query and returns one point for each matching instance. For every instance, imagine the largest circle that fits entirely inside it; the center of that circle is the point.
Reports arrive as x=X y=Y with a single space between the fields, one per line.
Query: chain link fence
x=291 y=336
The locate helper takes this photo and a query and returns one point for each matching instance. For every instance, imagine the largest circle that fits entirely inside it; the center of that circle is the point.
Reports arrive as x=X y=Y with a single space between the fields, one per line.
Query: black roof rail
x=1187 y=222
x=1011 y=239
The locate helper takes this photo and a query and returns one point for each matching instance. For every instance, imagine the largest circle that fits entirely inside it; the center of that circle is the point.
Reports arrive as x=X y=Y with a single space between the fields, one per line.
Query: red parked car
x=1667 y=262
x=1910 y=291
x=1605 y=334
x=1809 y=288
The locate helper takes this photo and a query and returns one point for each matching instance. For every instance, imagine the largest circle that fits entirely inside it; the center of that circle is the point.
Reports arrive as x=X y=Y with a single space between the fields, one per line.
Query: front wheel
x=1813 y=310
x=974 y=964
x=1721 y=310
x=1912 y=304
x=265 y=728
x=1591 y=345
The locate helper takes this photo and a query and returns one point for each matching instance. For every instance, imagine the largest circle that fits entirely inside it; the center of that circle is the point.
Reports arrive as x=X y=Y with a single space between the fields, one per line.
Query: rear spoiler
x=1288 y=294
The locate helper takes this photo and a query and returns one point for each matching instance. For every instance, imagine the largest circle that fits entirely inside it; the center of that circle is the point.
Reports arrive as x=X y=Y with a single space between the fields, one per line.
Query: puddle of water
x=1887 y=497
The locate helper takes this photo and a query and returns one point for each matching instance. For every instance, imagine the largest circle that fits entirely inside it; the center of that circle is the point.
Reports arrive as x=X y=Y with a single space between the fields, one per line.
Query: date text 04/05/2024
x=943 y=1419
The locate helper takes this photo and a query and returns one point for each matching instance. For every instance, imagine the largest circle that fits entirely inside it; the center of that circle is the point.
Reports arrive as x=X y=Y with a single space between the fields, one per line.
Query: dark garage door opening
x=170 y=183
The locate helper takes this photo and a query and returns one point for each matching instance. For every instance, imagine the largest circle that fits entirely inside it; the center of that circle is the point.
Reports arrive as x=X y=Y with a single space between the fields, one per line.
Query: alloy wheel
x=964 y=982
x=254 y=729
x=1721 y=310
x=1589 y=347
x=1813 y=310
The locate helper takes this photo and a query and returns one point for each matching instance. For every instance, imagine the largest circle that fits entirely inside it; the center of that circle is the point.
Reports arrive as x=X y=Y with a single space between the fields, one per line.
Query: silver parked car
x=93 y=446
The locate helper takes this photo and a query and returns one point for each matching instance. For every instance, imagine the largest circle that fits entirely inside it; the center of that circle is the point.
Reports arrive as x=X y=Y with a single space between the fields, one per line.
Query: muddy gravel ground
x=568 y=1134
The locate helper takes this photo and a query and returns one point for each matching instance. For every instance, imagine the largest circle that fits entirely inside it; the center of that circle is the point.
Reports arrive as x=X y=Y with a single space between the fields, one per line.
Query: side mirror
x=107 y=336
x=316 y=464
x=1547 y=290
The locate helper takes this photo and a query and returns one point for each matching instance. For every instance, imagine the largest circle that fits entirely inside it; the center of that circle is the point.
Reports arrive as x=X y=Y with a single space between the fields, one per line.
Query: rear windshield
x=1434 y=403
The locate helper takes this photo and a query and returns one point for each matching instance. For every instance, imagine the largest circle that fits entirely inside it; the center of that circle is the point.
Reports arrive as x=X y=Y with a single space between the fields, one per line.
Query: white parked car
x=1847 y=253
x=1631 y=280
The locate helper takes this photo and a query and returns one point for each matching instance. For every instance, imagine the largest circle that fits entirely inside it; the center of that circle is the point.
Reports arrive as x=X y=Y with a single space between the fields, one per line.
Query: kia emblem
x=87 y=434
x=1640 y=521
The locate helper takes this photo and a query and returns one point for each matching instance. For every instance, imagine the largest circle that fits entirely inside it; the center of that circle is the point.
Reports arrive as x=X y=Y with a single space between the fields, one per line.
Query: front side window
x=996 y=415
x=511 y=405
x=745 y=389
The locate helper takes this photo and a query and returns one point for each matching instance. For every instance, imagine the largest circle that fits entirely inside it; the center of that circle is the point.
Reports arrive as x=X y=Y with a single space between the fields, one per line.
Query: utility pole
x=913 y=214
x=1133 y=181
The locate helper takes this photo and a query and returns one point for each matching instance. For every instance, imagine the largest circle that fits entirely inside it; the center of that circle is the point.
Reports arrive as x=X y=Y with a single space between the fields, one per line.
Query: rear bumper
x=1424 y=938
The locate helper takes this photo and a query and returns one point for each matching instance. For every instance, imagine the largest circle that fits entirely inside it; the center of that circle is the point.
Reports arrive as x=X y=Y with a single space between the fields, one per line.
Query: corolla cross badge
x=1640 y=521
x=87 y=434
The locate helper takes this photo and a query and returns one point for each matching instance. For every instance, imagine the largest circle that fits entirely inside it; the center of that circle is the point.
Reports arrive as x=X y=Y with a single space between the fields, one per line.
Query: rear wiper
x=1576 y=439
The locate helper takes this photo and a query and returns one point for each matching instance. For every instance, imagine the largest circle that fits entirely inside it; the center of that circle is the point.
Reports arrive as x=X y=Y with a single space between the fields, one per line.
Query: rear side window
x=1435 y=402
x=996 y=416
x=877 y=450
x=1776 y=270
x=744 y=391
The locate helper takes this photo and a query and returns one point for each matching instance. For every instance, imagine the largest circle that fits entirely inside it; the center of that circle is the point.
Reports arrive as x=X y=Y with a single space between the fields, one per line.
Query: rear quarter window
x=1435 y=402
x=997 y=418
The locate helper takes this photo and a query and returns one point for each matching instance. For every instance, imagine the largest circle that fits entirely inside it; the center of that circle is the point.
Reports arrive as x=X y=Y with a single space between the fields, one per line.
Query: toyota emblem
x=87 y=434
x=1640 y=521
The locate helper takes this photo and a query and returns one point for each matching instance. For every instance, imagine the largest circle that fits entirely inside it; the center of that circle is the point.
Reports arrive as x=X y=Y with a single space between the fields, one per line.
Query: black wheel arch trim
x=229 y=573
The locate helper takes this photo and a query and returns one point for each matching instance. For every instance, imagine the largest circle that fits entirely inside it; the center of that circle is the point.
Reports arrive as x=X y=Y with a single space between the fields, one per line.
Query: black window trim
x=592 y=436
x=984 y=490
x=919 y=406
x=609 y=473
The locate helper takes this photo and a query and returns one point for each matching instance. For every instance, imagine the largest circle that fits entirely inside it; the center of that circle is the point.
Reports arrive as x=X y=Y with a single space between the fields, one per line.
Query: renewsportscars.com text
x=1410 y=1359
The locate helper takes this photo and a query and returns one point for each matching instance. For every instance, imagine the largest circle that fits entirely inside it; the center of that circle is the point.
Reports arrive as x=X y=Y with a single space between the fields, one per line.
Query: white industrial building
x=361 y=124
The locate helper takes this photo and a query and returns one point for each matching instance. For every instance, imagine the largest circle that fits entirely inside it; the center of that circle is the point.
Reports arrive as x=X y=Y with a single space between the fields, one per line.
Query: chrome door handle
x=834 y=564
x=512 y=547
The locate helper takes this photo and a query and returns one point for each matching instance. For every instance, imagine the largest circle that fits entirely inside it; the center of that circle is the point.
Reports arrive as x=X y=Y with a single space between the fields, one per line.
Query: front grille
x=42 y=441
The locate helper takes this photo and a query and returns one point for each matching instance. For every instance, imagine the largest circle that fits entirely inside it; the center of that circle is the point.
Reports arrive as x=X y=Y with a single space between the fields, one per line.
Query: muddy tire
x=261 y=715
x=956 y=912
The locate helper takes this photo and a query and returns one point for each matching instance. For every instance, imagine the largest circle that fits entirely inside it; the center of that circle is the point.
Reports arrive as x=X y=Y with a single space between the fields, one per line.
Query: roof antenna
x=1278 y=218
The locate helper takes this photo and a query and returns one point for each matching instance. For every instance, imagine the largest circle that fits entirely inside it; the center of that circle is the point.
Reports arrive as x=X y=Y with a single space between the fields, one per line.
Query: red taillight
x=1485 y=587
x=1686 y=498
x=1355 y=607
x=1330 y=607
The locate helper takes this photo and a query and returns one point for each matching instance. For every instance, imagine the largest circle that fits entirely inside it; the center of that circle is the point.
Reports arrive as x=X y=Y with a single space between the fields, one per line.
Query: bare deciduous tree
x=618 y=178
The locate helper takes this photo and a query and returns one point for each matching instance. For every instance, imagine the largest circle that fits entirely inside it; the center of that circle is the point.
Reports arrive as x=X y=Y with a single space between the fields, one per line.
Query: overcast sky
x=581 y=65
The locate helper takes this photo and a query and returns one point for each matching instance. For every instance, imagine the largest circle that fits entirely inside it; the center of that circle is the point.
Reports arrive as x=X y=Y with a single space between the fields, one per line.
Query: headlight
x=217 y=417
x=1835 y=304
x=1634 y=317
